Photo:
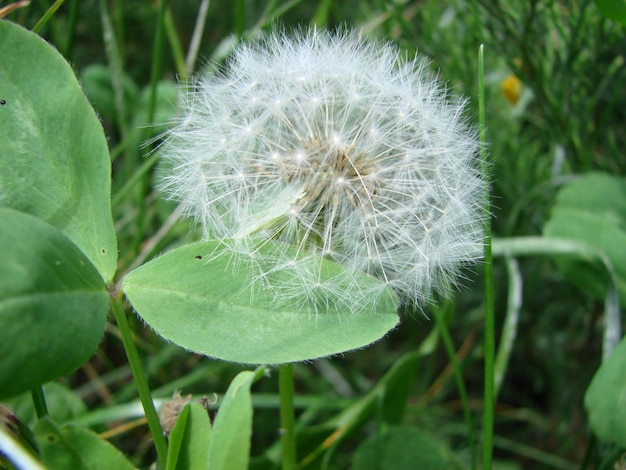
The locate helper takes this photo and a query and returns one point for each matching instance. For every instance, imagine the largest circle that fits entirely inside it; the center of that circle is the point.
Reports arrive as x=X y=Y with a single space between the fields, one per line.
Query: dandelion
x=333 y=147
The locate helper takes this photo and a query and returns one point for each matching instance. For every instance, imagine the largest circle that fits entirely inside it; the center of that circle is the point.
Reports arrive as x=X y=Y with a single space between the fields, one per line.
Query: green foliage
x=54 y=161
x=96 y=82
x=189 y=439
x=613 y=9
x=73 y=446
x=604 y=399
x=229 y=446
x=62 y=402
x=592 y=209
x=225 y=446
x=401 y=448
x=53 y=304
x=195 y=292
x=379 y=405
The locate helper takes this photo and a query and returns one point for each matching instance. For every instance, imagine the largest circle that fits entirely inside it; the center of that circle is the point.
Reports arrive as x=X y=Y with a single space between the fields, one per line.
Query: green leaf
x=401 y=448
x=54 y=161
x=72 y=446
x=597 y=192
x=605 y=399
x=229 y=446
x=205 y=306
x=613 y=9
x=53 y=304
x=593 y=210
x=189 y=439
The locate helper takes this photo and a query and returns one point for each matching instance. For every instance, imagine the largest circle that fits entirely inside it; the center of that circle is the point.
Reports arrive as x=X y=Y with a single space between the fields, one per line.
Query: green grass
x=569 y=120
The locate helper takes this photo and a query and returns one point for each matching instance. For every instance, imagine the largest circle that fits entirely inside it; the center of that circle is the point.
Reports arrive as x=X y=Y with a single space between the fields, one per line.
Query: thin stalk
x=458 y=378
x=278 y=12
x=239 y=18
x=177 y=49
x=71 y=30
x=511 y=321
x=140 y=381
x=47 y=15
x=137 y=176
x=117 y=17
x=489 y=340
x=320 y=19
x=11 y=7
x=39 y=400
x=115 y=71
x=287 y=418
x=155 y=75
x=196 y=38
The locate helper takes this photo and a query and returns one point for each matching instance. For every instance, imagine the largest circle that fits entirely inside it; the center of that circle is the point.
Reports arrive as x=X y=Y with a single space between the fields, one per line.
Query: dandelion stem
x=140 y=380
x=287 y=419
x=39 y=400
x=489 y=340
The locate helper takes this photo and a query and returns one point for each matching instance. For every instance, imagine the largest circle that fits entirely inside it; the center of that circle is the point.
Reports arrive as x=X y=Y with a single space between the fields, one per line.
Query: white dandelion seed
x=334 y=145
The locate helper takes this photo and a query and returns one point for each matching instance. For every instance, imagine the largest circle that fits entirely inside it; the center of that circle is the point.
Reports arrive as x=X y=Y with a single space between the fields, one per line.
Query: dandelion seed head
x=337 y=146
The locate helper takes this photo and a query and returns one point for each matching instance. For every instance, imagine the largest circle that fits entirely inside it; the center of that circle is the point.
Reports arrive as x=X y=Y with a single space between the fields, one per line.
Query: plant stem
x=140 y=380
x=157 y=58
x=114 y=58
x=39 y=400
x=239 y=18
x=458 y=377
x=177 y=49
x=287 y=419
x=511 y=321
x=71 y=30
x=47 y=15
x=489 y=340
x=155 y=75
x=198 y=31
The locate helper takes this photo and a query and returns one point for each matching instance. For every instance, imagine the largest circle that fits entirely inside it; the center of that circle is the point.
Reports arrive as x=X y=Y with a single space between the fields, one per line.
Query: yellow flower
x=511 y=88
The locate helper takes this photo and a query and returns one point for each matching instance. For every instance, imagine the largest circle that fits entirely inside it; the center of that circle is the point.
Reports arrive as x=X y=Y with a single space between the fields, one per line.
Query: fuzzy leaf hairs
x=332 y=146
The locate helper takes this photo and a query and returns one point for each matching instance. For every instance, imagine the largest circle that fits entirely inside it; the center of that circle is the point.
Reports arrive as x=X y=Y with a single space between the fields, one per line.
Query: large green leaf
x=592 y=209
x=53 y=304
x=74 y=447
x=605 y=399
x=54 y=161
x=203 y=301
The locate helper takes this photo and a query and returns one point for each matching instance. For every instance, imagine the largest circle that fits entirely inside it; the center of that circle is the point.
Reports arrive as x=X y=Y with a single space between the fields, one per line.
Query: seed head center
x=331 y=176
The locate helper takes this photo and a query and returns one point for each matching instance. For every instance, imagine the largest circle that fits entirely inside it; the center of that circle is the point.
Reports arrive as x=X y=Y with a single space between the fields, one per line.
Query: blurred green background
x=555 y=92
